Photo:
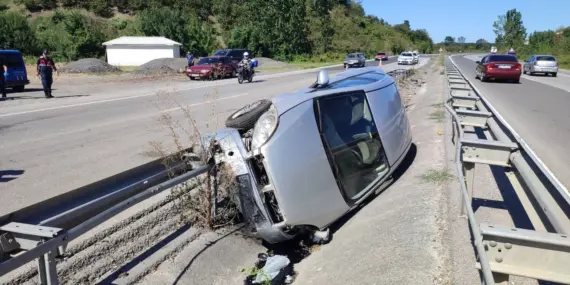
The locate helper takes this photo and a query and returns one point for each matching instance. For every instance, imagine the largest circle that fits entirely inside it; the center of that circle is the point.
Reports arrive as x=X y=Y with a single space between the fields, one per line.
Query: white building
x=135 y=51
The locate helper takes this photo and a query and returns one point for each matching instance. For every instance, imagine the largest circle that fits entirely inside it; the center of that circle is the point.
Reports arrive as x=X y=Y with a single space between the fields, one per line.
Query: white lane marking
x=206 y=102
x=6 y=146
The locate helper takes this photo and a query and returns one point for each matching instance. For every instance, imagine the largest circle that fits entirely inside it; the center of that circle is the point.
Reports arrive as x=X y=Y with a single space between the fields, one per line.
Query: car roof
x=543 y=55
x=284 y=102
x=10 y=51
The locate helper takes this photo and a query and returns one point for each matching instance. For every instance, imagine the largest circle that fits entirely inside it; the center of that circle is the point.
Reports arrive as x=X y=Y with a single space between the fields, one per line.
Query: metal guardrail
x=541 y=253
x=42 y=231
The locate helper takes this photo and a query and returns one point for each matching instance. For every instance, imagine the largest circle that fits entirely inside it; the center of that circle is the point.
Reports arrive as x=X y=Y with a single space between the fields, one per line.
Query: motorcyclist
x=246 y=62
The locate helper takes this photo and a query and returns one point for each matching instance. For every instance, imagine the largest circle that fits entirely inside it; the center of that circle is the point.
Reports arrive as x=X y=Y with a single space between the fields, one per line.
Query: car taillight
x=518 y=66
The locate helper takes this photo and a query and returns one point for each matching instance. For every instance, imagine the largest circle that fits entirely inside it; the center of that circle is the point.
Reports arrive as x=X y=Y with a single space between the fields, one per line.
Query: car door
x=481 y=65
x=528 y=63
x=352 y=142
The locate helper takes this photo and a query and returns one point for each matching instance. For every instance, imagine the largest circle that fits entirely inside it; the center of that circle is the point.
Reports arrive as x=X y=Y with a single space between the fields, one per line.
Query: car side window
x=484 y=60
x=351 y=140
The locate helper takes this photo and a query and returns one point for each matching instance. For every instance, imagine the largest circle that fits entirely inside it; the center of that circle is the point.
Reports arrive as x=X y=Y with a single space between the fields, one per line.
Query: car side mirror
x=478 y=62
x=323 y=78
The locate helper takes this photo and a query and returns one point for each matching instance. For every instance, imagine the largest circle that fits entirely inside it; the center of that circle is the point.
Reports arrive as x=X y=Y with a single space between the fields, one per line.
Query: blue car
x=17 y=76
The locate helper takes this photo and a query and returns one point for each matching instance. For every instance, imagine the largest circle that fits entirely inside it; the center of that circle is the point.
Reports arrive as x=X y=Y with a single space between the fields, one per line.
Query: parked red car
x=381 y=56
x=498 y=66
x=212 y=67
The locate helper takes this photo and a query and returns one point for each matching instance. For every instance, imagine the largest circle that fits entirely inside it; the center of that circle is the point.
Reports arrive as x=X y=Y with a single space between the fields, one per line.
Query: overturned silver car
x=305 y=159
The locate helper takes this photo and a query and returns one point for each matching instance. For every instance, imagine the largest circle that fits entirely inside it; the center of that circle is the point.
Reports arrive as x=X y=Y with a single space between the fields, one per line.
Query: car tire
x=554 y=74
x=518 y=80
x=19 y=88
x=245 y=117
x=483 y=78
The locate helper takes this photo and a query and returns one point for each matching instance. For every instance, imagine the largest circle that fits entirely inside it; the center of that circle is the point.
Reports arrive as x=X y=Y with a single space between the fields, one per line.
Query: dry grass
x=205 y=201
x=438 y=177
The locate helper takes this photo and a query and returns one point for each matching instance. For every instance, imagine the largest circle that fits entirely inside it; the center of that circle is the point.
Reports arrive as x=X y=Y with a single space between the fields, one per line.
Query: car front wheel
x=554 y=74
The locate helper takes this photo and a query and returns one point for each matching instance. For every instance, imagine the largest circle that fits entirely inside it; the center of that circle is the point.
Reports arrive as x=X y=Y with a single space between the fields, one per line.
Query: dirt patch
x=265 y=62
x=162 y=66
x=88 y=65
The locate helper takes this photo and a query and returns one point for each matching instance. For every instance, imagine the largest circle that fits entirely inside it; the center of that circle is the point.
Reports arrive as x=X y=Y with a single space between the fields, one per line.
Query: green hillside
x=317 y=30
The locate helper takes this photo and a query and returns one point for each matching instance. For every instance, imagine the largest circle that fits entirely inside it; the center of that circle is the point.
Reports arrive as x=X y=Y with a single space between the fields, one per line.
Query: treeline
x=283 y=29
x=459 y=44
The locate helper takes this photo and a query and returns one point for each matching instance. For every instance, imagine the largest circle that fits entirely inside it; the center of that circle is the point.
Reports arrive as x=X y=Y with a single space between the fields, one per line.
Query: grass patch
x=127 y=68
x=438 y=177
x=437 y=115
x=309 y=65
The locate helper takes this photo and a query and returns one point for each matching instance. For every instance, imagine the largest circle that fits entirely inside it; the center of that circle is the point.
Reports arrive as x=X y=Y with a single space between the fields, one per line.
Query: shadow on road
x=41 y=97
x=9 y=175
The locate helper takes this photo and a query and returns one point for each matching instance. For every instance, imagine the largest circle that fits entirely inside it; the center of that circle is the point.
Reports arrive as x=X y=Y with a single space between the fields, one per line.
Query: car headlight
x=264 y=128
x=205 y=71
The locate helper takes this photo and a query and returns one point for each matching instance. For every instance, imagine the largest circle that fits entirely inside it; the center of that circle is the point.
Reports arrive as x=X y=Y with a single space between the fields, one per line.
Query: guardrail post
x=469 y=174
x=47 y=269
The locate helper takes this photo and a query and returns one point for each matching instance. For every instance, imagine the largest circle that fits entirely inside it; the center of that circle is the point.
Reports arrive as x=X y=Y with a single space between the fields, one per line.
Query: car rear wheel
x=483 y=78
x=518 y=80
x=19 y=88
x=245 y=118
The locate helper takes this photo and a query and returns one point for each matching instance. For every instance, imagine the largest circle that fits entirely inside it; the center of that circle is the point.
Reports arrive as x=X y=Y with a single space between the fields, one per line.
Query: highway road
x=53 y=146
x=537 y=109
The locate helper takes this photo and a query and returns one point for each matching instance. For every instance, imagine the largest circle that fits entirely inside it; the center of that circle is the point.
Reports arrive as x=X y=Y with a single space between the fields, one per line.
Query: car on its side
x=355 y=59
x=305 y=159
x=17 y=75
x=498 y=66
x=212 y=67
x=381 y=56
x=406 y=58
x=541 y=63
x=236 y=54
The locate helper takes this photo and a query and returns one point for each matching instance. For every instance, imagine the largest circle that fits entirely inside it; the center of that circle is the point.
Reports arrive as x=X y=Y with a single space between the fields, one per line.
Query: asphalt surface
x=537 y=109
x=53 y=146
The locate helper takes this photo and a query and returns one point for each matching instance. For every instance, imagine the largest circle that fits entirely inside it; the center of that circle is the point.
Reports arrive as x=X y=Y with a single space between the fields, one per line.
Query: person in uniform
x=46 y=67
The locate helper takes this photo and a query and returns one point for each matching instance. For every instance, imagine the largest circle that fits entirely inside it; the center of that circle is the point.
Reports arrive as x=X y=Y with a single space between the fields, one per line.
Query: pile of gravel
x=266 y=62
x=88 y=65
x=164 y=66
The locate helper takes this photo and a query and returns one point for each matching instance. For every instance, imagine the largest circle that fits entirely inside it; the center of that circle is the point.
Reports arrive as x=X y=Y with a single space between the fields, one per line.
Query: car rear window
x=407 y=54
x=381 y=53
x=508 y=58
x=12 y=59
x=545 y=58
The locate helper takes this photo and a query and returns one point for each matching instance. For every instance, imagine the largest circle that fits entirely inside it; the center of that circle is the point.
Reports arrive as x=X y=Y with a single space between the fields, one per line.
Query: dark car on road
x=356 y=59
x=498 y=66
x=212 y=67
x=236 y=54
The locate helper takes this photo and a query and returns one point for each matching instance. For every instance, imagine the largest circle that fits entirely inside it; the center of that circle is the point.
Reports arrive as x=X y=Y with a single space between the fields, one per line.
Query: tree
x=20 y=36
x=461 y=40
x=510 y=30
x=481 y=44
x=449 y=40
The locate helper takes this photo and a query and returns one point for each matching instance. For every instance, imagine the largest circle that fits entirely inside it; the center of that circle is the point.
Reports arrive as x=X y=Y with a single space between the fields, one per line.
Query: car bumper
x=381 y=58
x=405 y=61
x=198 y=74
x=249 y=194
x=503 y=74
x=13 y=83
x=544 y=69
x=350 y=64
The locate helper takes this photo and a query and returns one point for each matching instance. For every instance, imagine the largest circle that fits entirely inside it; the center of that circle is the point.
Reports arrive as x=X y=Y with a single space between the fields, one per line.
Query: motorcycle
x=246 y=73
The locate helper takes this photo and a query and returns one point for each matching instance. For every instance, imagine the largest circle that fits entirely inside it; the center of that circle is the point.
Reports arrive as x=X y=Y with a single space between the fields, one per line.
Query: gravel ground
x=162 y=66
x=265 y=62
x=88 y=65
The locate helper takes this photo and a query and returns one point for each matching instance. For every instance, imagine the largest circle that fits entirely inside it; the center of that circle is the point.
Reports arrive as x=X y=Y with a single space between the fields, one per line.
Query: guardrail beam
x=487 y=152
x=531 y=254
x=464 y=101
x=473 y=118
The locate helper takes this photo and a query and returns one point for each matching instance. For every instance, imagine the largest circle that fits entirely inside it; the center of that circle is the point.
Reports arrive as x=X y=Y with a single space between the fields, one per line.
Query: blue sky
x=470 y=19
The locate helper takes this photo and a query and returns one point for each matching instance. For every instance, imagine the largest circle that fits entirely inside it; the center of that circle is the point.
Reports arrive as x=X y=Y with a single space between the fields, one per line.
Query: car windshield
x=508 y=58
x=208 y=60
x=545 y=58
x=221 y=53
x=352 y=55
x=406 y=54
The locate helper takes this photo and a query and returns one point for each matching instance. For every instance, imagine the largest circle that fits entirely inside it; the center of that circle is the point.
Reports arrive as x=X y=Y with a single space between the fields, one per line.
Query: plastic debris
x=272 y=267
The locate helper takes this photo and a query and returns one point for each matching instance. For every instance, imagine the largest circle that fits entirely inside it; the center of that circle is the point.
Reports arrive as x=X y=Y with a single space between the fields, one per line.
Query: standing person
x=45 y=67
x=190 y=58
x=3 y=77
